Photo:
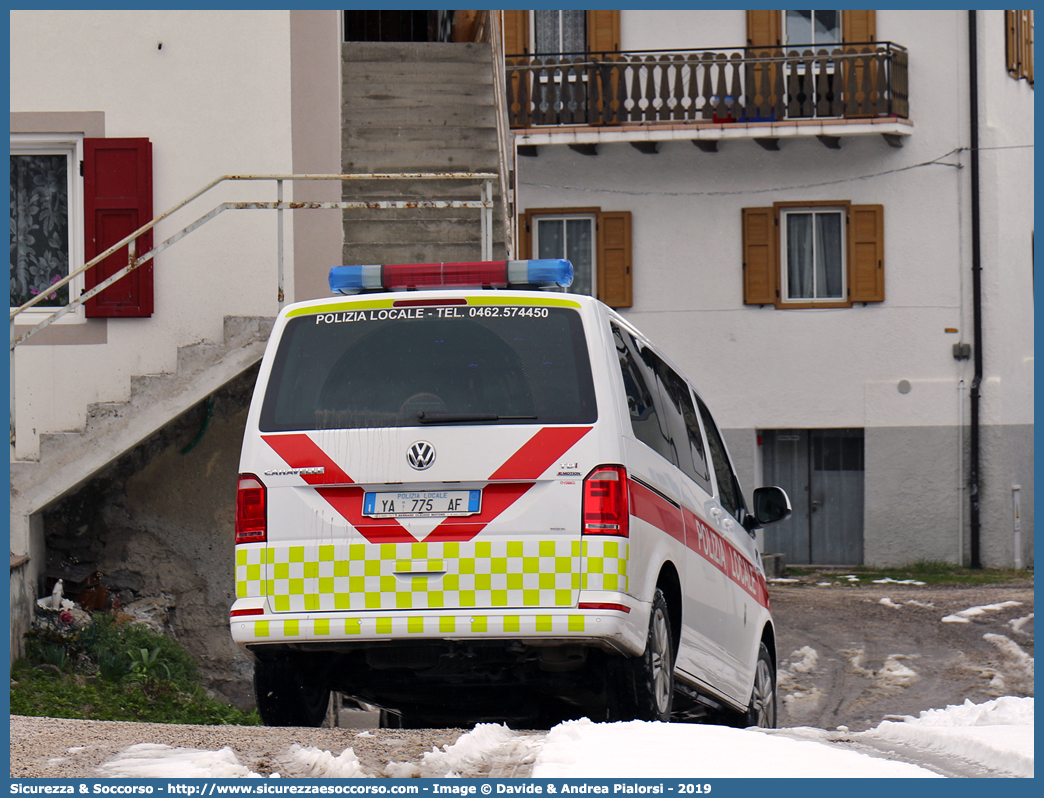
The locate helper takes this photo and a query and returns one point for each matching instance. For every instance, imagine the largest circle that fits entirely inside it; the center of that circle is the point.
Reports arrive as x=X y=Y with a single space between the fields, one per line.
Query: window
x=596 y=242
x=729 y=493
x=686 y=437
x=559 y=32
x=815 y=28
x=572 y=238
x=518 y=369
x=815 y=254
x=643 y=400
x=46 y=219
x=1019 y=44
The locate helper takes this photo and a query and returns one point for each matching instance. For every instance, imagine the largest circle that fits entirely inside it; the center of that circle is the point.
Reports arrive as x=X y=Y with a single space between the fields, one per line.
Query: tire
x=645 y=685
x=287 y=697
x=761 y=711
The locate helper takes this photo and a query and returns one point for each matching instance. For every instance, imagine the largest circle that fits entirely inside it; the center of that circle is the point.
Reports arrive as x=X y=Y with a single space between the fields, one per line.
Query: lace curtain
x=39 y=227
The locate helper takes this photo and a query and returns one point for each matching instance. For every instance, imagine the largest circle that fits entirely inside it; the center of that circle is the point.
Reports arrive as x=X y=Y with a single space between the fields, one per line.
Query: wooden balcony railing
x=723 y=86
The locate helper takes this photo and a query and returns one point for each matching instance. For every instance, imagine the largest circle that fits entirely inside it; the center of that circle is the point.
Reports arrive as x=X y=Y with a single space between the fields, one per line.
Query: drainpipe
x=973 y=470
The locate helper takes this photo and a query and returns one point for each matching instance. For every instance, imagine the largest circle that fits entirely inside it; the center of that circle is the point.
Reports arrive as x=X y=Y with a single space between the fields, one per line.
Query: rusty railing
x=748 y=84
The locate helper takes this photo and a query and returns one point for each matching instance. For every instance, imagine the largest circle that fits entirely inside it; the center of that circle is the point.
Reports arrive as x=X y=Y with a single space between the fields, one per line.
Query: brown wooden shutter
x=764 y=28
x=117 y=198
x=859 y=26
x=603 y=31
x=516 y=32
x=1026 y=45
x=760 y=256
x=1011 y=42
x=866 y=253
x=525 y=236
x=763 y=101
x=614 y=258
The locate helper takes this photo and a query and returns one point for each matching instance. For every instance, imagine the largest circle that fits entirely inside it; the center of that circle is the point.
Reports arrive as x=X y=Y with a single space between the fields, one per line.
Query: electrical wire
x=934 y=162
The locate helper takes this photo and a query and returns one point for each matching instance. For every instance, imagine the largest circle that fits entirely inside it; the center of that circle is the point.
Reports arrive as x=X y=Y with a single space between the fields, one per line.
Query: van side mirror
x=771 y=505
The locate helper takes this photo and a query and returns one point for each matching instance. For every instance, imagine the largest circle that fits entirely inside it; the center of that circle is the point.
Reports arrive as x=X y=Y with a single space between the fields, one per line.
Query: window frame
x=784 y=254
x=70 y=145
x=580 y=214
x=813 y=43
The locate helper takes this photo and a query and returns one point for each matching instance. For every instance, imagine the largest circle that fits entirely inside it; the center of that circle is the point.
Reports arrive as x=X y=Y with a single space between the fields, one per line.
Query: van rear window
x=423 y=366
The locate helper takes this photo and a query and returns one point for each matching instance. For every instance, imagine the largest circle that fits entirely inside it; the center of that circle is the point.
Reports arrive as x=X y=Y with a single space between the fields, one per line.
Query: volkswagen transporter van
x=464 y=498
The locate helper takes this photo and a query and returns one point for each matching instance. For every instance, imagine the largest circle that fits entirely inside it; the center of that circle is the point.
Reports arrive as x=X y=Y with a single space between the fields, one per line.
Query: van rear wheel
x=286 y=696
x=644 y=686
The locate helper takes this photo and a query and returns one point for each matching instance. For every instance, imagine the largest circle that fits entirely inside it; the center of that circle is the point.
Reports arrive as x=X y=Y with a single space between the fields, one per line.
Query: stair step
x=112 y=428
x=424 y=53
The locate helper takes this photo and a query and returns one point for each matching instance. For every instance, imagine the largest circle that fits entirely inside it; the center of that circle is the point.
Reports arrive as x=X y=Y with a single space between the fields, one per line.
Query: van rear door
x=423 y=455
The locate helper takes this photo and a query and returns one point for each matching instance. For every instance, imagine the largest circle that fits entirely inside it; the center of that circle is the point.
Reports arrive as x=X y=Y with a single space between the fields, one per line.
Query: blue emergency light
x=481 y=274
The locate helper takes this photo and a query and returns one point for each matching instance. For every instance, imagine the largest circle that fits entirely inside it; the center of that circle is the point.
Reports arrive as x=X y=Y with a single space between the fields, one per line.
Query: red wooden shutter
x=117 y=194
x=866 y=253
x=760 y=257
x=614 y=258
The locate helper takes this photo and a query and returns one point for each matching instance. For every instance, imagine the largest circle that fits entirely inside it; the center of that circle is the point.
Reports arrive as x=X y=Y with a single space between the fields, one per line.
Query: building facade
x=785 y=200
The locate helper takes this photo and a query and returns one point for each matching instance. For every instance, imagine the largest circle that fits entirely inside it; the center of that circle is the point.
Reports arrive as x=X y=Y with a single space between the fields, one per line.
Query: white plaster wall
x=766 y=368
x=214 y=100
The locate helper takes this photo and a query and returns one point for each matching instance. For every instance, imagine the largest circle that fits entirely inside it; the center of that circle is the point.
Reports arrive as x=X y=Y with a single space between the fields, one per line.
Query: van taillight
x=251 y=523
x=605 y=509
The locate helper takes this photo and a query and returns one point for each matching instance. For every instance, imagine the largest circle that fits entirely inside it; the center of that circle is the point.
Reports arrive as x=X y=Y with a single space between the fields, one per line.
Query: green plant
x=145 y=662
x=55 y=654
x=113 y=666
x=40 y=693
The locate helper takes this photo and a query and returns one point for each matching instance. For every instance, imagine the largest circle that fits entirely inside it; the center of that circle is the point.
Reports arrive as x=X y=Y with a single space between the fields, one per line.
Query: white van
x=462 y=501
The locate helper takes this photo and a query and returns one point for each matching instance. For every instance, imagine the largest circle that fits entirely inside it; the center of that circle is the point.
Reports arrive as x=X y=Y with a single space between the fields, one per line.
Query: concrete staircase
x=417 y=107
x=68 y=459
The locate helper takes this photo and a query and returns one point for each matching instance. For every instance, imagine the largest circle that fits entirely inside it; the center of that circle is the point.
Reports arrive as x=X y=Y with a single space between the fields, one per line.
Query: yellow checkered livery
x=410 y=576
x=395 y=626
x=605 y=564
x=250 y=570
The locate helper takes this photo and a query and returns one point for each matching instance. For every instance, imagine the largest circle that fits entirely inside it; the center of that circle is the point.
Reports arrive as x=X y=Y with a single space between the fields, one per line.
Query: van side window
x=641 y=401
x=685 y=429
x=728 y=486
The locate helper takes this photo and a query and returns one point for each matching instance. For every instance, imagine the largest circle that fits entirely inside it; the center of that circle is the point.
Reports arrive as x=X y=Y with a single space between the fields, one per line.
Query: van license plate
x=422 y=503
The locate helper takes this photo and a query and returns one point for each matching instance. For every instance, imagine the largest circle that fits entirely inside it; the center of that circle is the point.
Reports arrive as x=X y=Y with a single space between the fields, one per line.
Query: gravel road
x=849 y=656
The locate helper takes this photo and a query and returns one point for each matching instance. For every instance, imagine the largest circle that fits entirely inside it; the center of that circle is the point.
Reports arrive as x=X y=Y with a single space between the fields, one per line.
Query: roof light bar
x=485 y=274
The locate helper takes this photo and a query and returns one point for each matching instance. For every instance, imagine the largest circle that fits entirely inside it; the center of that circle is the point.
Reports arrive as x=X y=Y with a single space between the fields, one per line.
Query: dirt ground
x=848 y=656
x=853 y=655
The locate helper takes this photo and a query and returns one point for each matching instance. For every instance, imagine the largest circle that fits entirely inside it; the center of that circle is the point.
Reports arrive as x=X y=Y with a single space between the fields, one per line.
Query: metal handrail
x=597 y=58
x=130 y=240
x=485 y=204
x=505 y=151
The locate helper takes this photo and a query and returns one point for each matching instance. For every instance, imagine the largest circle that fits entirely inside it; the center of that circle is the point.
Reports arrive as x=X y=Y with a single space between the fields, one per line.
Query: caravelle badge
x=420 y=455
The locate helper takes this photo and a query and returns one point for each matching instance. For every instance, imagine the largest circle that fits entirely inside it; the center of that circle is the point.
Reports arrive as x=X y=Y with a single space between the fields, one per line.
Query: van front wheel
x=286 y=696
x=644 y=686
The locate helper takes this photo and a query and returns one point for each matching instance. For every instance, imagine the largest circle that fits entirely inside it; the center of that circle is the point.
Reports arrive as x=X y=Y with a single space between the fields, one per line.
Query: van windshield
x=419 y=366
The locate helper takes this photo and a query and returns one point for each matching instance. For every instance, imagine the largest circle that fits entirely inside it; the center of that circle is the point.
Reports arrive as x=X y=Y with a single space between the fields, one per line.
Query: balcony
x=711 y=94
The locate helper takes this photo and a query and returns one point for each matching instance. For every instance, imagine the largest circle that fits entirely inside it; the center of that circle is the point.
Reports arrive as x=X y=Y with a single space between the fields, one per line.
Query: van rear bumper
x=610 y=629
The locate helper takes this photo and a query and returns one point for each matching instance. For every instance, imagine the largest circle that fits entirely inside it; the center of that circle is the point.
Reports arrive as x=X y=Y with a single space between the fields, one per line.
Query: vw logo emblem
x=421 y=455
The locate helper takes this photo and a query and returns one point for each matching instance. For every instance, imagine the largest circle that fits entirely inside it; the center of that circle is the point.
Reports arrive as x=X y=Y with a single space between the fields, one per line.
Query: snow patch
x=153 y=761
x=794 y=679
x=997 y=735
x=310 y=762
x=964 y=616
x=1017 y=624
x=640 y=749
x=485 y=743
